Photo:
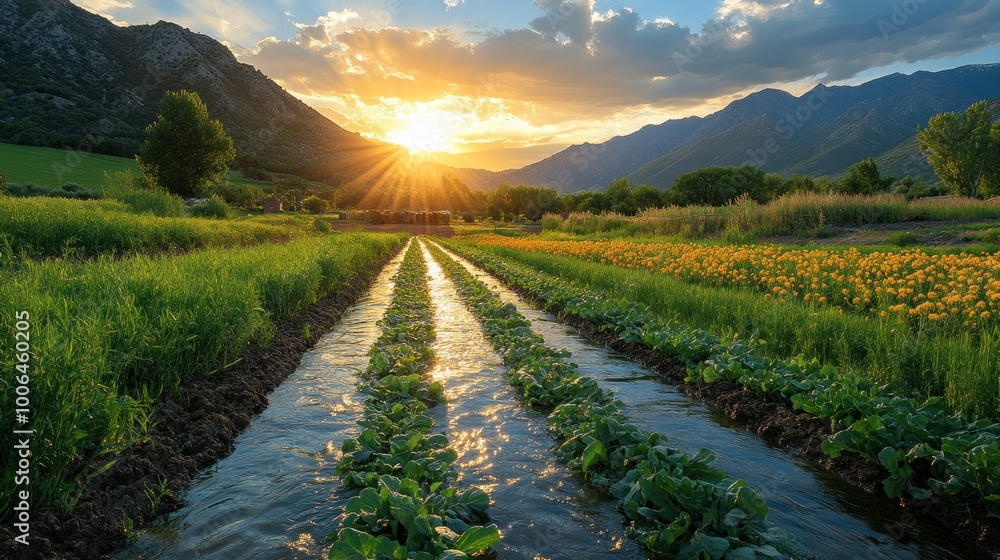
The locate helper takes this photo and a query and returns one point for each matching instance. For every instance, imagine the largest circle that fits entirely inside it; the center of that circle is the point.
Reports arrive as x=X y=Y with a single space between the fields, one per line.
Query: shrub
x=314 y=205
x=69 y=190
x=246 y=197
x=215 y=207
x=902 y=239
x=321 y=225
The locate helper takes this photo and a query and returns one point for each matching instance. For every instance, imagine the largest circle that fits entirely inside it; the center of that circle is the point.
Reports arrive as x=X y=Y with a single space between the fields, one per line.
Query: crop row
x=107 y=337
x=51 y=227
x=408 y=507
x=958 y=292
x=954 y=456
x=676 y=505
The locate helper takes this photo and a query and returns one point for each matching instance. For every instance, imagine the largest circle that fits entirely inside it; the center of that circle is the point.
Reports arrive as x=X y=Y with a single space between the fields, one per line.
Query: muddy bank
x=928 y=233
x=191 y=432
x=797 y=432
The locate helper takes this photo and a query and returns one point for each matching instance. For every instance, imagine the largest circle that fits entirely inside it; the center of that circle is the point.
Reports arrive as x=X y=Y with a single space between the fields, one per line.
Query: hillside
x=72 y=79
x=822 y=132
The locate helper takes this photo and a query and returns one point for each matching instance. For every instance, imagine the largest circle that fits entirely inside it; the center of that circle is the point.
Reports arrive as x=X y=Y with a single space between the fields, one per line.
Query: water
x=277 y=494
x=828 y=516
x=503 y=448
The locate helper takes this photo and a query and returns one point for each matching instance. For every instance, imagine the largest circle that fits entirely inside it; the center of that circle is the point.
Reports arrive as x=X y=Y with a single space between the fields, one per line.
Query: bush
x=321 y=225
x=902 y=239
x=69 y=190
x=215 y=207
x=256 y=174
x=314 y=205
x=238 y=196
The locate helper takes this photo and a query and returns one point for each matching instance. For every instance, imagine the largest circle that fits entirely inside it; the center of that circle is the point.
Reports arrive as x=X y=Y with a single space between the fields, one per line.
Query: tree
x=645 y=196
x=617 y=196
x=184 y=150
x=964 y=150
x=532 y=202
x=715 y=186
x=865 y=178
x=314 y=205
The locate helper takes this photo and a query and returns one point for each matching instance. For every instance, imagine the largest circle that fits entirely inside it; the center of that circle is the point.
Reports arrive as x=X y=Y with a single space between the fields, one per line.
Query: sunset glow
x=521 y=80
x=425 y=132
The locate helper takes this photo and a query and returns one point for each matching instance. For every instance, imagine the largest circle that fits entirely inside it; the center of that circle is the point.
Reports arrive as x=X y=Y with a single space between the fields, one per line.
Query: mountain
x=822 y=132
x=70 y=78
x=585 y=166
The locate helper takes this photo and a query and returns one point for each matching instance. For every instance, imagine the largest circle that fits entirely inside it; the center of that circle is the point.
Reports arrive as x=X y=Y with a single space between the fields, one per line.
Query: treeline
x=711 y=186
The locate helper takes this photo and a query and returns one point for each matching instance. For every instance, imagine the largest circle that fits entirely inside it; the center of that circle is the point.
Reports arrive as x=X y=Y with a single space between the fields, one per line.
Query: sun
x=424 y=132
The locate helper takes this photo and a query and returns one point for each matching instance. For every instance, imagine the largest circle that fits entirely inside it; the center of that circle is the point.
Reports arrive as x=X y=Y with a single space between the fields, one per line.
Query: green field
x=52 y=167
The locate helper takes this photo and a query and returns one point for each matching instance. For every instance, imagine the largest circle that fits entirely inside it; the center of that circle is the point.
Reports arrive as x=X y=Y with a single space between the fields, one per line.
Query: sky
x=504 y=83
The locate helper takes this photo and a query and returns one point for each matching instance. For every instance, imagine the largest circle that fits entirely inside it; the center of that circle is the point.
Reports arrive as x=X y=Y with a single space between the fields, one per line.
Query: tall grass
x=789 y=215
x=962 y=368
x=109 y=336
x=49 y=227
x=124 y=187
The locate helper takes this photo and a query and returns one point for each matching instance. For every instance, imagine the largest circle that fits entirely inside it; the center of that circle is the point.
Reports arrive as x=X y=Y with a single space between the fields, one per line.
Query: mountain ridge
x=899 y=102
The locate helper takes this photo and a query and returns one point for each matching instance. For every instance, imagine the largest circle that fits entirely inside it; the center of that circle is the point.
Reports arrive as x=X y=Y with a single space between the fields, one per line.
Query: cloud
x=580 y=66
x=101 y=6
x=105 y=7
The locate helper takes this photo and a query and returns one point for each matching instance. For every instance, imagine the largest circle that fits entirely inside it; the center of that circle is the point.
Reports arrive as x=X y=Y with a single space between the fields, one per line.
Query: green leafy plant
x=408 y=506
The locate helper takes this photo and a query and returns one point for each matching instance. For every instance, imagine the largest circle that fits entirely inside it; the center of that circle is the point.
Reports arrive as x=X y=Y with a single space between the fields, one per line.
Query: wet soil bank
x=797 y=432
x=191 y=431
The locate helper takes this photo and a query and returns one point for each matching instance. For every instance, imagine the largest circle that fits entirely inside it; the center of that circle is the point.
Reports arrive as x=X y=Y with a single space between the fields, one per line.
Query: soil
x=877 y=234
x=797 y=432
x=192 y=431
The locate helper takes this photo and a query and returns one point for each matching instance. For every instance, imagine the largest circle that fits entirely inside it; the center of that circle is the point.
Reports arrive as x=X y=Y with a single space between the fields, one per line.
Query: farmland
x=451 y=420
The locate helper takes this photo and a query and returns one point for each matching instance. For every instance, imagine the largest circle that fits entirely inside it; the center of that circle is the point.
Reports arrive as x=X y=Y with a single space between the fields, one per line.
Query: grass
x=902 y=239
x=794 y=214
x=108 y=336
x=961 y=368
x=52 y=227
x=53 y=167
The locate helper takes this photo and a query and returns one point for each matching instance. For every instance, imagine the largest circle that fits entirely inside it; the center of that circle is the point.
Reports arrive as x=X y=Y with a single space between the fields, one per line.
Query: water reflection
x=503 y=448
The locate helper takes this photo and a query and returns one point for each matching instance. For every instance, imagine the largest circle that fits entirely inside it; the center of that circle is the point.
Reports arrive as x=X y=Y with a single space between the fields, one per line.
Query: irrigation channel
x=277 y=495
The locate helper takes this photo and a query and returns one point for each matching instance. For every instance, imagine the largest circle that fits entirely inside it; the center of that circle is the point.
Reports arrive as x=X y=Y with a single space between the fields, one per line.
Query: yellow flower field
x=958 y=291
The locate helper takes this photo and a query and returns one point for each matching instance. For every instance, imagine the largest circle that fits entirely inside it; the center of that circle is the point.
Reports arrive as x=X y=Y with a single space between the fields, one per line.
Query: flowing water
x=828 y=516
